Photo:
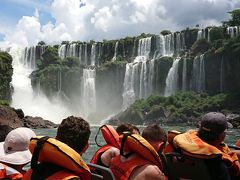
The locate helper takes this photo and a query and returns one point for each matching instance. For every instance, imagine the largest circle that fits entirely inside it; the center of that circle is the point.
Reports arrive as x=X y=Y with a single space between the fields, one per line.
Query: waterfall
x=136 y=80
x=201 y=34
x=184 y=75
x=168 y=45
x=85 y=54
x=89 y=91
x=160 y=46
x=198 y=77
x=33 y=104
x=209 y=37
x=233 y=31
x=128 y=85
x=172 y=79
x=93 y=54
x=178 y=43
x=62 y=51
x=115 y=52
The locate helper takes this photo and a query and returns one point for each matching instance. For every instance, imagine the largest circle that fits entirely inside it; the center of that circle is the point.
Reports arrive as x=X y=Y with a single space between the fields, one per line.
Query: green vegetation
x=165 y=32
x=111 y=64
x=6 y=72
x=200 y=46
x=185 y=104
x=235 y=18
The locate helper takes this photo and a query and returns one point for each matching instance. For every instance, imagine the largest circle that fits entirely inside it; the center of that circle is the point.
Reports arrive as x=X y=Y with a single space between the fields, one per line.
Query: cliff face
x=6 y=72
x=100 y=78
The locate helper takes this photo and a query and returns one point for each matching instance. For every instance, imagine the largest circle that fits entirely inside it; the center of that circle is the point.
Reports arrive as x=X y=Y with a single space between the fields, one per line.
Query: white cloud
x=110 y=19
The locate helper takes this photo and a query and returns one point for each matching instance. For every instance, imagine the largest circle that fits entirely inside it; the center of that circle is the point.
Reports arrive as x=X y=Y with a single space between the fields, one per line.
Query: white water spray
x=32 y=104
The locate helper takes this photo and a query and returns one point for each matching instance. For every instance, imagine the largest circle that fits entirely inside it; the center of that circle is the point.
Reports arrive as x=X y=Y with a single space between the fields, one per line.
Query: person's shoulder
x=148 y=171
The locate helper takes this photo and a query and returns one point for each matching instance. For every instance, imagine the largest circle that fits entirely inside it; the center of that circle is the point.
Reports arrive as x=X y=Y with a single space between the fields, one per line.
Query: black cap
x=214 y=122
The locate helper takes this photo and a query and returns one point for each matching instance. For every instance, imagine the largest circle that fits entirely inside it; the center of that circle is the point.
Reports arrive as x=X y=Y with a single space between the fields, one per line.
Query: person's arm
x=107 y=156
x=147 y=172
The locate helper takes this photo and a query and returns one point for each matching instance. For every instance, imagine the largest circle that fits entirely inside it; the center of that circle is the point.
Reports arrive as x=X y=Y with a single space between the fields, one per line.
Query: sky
x=26 y=22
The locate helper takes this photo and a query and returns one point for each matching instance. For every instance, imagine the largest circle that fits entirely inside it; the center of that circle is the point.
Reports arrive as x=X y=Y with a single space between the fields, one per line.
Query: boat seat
x=100 y=172
x=179 y=166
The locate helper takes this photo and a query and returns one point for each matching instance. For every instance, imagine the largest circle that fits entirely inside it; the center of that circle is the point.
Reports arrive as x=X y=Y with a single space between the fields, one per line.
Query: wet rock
x=38 y=122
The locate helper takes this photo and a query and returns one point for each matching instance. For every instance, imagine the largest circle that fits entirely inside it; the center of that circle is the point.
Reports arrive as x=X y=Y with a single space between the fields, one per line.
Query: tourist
x=124 y=127
x=14 y=153
x=210 y=137
x=104 y=154
x=65 y=162
x=170 y=136
x=137 y=166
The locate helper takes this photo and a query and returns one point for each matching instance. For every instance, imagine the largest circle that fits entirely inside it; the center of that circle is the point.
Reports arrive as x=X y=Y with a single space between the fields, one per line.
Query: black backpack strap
x=125 y=135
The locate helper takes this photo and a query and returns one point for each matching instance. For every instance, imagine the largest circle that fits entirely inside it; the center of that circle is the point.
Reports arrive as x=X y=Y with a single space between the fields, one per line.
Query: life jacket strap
x=125 y=135
x=42 y=170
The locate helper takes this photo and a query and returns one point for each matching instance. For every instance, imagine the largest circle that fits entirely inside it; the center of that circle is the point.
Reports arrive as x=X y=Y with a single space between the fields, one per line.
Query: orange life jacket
x=112 y=139
x=122 y=171
x=169 y=147
x=191 y=145
x=8 y=172
x=146 y=154
x=51 y=151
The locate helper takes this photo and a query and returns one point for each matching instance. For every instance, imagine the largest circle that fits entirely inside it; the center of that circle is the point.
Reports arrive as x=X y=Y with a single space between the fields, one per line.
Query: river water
x=231 y=137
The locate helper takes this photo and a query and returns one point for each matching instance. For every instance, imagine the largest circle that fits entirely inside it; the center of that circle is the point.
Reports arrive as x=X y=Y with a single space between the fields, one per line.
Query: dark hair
x=136 y=128
x=154 y=132
x=124 y=127
x=75 y=132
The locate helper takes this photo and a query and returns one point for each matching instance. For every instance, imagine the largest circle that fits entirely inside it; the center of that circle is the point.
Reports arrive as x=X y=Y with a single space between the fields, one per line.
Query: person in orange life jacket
x=237 y=151
x=213 y=131
x=127 y=127
x=238 y=143
x=14 y=153
x=105 y=157
x=74 y=132
x=169 y=148
x=210 y=137
x=156 y=136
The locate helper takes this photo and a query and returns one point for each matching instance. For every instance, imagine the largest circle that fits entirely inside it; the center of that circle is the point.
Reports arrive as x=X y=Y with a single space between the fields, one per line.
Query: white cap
x=14 y=150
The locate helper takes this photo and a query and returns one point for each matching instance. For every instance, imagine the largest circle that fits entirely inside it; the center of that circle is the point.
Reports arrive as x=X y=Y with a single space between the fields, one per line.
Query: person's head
x=14 y=150
x=212 y=127
x=4 y=130
x=135 y=130
x=124 y=127
x=75 y=132
x=156 y=136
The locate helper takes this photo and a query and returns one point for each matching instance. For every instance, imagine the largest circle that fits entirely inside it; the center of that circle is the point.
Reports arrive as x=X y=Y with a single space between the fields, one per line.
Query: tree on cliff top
x=50 y=56
x=235 y=21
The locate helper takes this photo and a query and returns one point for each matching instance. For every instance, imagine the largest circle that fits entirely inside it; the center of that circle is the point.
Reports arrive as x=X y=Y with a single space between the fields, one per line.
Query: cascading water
x=172 y=79
x=93 y=54
x=168 y=48
x=33 y=104
x=115 y=52
x=135 y=86
x=89 y=91
x=198 y=78
x=233 y=31
x=201 y=34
